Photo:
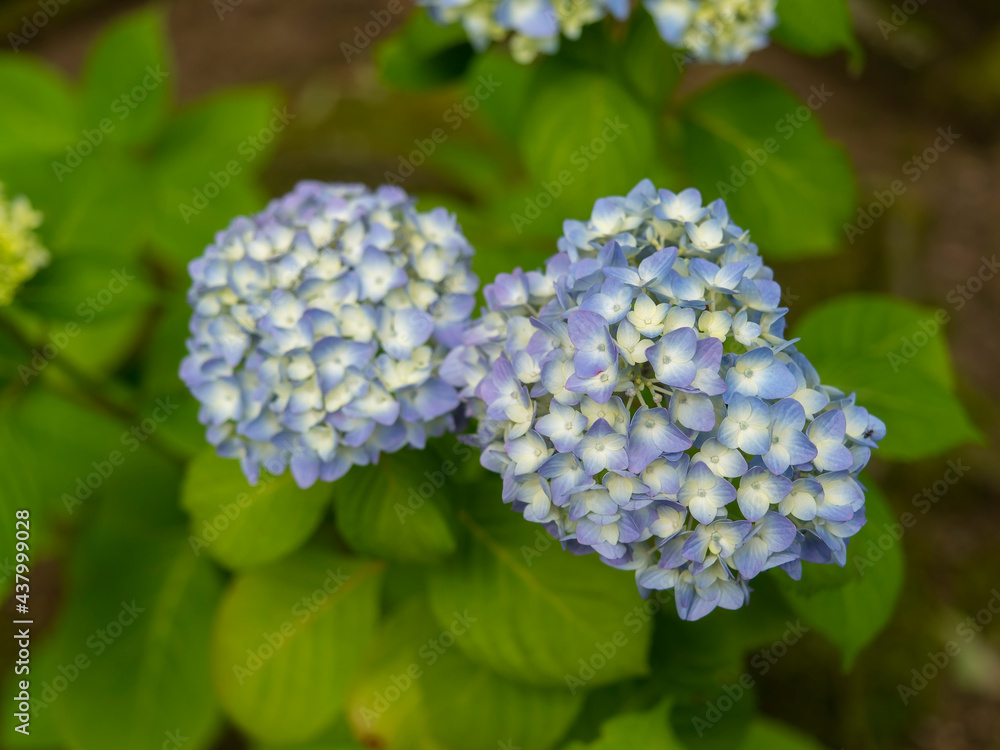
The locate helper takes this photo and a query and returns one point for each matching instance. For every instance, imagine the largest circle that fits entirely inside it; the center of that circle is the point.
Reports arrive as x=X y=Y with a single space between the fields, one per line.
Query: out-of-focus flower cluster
x=640 y=400
x=318 y=328
x=21 y=253
x=724 y=31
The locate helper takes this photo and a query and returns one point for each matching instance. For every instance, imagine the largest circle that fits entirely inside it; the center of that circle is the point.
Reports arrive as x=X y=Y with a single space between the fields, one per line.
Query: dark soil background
x=940 y=69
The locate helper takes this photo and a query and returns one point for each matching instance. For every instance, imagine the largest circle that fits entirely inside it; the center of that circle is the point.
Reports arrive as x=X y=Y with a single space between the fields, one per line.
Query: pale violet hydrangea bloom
x=724 y=31
x=319 y=326
x=640 y=400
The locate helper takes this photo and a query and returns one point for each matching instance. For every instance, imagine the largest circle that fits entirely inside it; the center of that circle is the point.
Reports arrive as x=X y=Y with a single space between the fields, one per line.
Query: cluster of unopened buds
x=637 y=395
x=724 y=31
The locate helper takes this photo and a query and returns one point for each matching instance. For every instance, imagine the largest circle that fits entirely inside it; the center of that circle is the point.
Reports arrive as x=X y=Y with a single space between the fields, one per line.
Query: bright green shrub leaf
x=817 y=27
x=128 y=81
x=851 y=605
x=648 y=730
x=422 y=54
x=583 y=137
x=767 y=734
x=399 y=509
x=512 y=577
x=489 y=707
x=241 y=525
x=39 y=114
x=875 y=327
x=797 y=197
x=139 y=616
x=288 y=637
x=868 y=344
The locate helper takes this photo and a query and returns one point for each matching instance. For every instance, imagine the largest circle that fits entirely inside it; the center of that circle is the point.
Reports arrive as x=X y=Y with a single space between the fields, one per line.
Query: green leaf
x=513 y=576
x=643 y=52
x=851 y=605
x=489 y=707
x=583 y=137
x=39 y=114
x=86 y=287
x=867 y=327
x=800 y=189
x=817 y=27
x=240 y=525
x=648 y=730
x=504 y=108
x=142 y=630
x=288 y=637
x=400 y=509
x=205 y=167
x=385 y=707
x=767 y=734
x=127 y=81
x=54 y=454
x=868 y=344
x=209 y=133
x=337 y=738
x=422 y=54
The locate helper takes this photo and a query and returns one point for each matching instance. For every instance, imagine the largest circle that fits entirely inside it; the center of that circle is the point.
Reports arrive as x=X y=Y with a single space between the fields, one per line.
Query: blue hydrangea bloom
x=641 y=401
x=723 y=31
x=319 y=328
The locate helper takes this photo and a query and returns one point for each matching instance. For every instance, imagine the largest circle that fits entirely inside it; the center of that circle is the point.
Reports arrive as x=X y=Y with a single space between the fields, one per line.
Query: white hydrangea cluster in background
x=724 y=31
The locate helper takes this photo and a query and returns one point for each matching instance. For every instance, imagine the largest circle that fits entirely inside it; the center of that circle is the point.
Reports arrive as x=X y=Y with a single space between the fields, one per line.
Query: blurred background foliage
x=289 y=626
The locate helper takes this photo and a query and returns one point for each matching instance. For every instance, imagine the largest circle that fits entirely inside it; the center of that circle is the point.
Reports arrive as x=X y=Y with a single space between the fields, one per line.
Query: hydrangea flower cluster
x=21 y=253
x=319 y=325
x=640 y=400
x=724 y=31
